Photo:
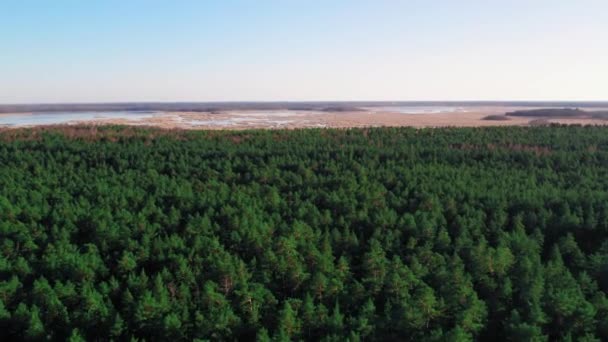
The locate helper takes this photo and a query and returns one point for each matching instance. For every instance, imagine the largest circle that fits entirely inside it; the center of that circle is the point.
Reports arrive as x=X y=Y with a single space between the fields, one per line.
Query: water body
x=55 y=118
x=418 y=109
x=237 y=121
x=273 y=114
x=274 y=118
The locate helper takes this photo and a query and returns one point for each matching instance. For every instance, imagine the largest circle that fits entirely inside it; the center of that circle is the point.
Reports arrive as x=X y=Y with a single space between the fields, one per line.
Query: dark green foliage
x=561 y=113
x=335 y=235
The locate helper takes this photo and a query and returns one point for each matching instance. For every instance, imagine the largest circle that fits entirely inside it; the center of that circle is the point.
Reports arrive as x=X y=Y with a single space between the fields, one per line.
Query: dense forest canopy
x=359 y=234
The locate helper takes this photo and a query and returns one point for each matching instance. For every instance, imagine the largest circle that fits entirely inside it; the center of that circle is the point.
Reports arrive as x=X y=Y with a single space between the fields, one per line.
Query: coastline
x=293 y=119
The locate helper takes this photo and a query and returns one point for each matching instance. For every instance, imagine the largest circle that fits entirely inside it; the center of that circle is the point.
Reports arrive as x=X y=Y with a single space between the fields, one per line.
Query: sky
x=302 y=50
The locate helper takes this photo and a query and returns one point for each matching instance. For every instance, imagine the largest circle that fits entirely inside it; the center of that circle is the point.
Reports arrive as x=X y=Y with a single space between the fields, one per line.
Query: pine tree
x=76 y=336
x=289 y=324
x=35 y=328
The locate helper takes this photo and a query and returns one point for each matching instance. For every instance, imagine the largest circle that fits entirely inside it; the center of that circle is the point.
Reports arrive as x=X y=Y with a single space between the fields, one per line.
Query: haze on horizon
x=117 y=51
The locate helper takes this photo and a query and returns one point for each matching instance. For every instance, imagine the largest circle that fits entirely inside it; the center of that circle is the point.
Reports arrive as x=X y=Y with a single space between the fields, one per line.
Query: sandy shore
x=460 y=117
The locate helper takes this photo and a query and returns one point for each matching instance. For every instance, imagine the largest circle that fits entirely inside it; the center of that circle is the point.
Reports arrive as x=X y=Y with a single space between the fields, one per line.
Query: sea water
x=54 y=118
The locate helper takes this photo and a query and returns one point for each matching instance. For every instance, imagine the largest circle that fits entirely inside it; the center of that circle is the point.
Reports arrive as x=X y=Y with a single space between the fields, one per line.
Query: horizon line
x=291 y=101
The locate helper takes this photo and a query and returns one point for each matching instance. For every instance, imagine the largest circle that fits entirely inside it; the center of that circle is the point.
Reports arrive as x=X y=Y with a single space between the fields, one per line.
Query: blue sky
x=136 y=50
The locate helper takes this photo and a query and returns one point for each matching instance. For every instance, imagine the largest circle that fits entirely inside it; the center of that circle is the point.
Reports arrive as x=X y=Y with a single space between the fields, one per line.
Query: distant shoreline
x=406 y=116
x=326 y=106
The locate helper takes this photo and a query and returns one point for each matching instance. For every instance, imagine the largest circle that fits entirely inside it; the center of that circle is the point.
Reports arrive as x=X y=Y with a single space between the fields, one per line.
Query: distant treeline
x=177 y=107
x=561 y=113
x=497 y=118
x=330 y=106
